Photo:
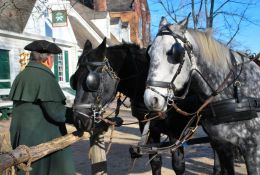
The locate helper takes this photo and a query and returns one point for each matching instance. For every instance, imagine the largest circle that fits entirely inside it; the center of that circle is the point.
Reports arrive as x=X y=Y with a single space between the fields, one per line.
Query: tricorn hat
x=43 y=46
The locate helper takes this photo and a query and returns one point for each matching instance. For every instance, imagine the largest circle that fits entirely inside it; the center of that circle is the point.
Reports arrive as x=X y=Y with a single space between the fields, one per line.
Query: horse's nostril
x=155 y=101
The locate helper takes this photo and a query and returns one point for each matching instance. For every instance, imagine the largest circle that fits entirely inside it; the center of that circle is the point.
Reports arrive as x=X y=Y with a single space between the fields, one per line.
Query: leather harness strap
x=230 y=111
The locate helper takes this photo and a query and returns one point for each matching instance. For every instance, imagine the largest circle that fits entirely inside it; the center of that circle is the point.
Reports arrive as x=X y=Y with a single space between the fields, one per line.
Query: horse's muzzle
x=83 y=122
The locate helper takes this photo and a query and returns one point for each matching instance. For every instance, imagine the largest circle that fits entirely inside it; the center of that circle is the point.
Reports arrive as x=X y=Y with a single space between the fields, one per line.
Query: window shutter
x=66 y=58
x=4 y=69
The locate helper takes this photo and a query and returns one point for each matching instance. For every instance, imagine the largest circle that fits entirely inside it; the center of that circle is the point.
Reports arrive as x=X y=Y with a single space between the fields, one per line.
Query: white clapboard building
x=68 y=23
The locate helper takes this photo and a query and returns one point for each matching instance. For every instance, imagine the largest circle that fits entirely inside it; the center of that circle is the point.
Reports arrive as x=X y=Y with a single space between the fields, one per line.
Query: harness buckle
x=96 y=115
x=170 y=96
x=170 y=101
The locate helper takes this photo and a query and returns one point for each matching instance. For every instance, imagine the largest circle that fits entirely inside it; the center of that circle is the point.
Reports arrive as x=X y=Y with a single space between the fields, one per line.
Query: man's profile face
x=51 y=57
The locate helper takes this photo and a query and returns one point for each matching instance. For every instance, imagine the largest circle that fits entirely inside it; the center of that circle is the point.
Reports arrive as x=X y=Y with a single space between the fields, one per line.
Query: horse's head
x=95 y=84
x=170 y=65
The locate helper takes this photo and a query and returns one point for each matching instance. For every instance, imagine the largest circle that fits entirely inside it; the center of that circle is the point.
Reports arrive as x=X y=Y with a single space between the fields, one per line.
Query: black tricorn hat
x=43 y=46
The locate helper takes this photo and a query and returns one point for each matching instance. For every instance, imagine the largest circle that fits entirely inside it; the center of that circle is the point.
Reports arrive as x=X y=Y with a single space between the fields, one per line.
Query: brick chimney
x=100 y=5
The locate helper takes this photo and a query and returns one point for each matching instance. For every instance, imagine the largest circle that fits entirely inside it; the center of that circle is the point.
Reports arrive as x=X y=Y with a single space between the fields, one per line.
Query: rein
x=187 y=132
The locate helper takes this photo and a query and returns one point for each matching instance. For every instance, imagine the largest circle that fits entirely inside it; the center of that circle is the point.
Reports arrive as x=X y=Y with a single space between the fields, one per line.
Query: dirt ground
x=199 y=158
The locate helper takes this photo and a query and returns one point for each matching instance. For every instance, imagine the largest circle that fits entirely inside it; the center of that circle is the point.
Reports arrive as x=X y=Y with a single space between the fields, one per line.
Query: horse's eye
x=177 y=52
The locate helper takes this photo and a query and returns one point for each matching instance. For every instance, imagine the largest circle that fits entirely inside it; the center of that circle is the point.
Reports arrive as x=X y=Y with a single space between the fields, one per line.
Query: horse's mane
x=127 y=48
x=125 y=45
x=132 y=48
x=209 y=48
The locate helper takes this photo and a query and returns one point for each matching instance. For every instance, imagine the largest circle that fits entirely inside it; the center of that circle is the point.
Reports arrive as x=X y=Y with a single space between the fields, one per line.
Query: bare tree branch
x=182 y=7
x=233 y=14
x=230 y=10
x=168 y=12
x=193 y=14
x=199 y=11
x=2 y=7
x=206 y=12
x=222 y=5
x=210 y=19
x=238 y=26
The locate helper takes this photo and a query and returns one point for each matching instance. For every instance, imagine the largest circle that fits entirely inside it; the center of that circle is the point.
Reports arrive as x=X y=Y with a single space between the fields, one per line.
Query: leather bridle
x=97 y=108
x=171 y=89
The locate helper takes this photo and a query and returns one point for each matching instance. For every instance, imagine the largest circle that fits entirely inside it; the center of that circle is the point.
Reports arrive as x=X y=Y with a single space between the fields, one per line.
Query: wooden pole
x=97 y=154
x=20 y=155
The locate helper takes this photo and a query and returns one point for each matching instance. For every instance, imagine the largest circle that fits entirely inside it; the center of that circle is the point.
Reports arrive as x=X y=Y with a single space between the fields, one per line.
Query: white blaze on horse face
x=162 y=69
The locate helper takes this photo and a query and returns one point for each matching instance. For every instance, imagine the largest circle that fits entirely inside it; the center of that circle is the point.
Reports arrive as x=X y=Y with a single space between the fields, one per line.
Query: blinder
x=177 y=52
x=93 y=81
x=96 y=74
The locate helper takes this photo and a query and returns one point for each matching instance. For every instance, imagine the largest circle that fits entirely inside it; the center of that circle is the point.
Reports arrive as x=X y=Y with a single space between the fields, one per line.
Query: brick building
x=136 y=13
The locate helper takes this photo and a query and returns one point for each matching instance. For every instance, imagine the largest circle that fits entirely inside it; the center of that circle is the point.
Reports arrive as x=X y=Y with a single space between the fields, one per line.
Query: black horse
x=130 y=63
x=95 y=83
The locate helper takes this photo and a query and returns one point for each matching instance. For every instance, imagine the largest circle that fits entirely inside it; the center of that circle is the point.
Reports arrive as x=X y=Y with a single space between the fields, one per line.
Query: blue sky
x=249 y=34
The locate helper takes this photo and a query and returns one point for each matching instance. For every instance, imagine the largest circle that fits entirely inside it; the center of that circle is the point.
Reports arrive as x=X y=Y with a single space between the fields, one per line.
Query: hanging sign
x=59 y=18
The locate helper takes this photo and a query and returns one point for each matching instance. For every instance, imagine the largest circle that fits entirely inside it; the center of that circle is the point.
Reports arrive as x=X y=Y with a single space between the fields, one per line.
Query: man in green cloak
x=39 y=112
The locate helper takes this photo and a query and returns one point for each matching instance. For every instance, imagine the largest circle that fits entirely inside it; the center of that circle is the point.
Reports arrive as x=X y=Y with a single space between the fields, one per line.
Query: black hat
x=43 y=46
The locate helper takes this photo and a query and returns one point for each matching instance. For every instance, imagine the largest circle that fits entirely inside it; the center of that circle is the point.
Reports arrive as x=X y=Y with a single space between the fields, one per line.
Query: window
x=58 y=67
x=4 y=69
x=61 y=67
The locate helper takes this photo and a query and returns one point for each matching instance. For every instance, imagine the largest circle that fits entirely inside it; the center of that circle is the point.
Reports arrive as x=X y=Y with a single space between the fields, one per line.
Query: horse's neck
x=216 y=75
x=132 y=82
x=211 y=77
x=249 y=77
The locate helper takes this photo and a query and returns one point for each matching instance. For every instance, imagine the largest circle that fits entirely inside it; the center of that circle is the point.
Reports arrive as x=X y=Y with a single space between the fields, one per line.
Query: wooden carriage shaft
x=18 y=156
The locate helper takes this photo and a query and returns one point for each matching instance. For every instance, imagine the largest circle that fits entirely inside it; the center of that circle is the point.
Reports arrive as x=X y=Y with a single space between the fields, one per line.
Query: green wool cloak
x=39 y=116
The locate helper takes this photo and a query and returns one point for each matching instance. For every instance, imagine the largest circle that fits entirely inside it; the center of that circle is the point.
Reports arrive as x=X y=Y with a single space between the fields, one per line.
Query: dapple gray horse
x=184 y=60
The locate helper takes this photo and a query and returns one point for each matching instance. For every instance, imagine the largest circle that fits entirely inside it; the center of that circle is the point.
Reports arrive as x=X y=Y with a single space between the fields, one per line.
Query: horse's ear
x=163 y=22
x=184 y=23
x=87 y=46
x=101 y=49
